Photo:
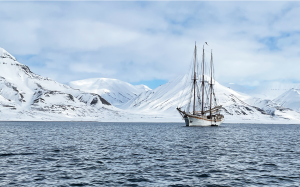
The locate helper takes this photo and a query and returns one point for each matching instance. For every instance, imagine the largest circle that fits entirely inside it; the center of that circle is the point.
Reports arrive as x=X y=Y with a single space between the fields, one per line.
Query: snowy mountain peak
x=289 y=99
x=5 y=54
x=26 y=95
x=113 y=90
x=237 y=107
x=143 y=87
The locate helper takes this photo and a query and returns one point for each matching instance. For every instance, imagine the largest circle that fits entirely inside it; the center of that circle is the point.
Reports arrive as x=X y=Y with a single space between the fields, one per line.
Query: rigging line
x=215 y=99
x=186 y=96
x=162 y=90
x=182 y=97
x=172 y=95
x=203 y=102
x=198 y=69
x=206 y=103
x=202 y=89
x=207 y=99
x=189 y=101
x=182 y=93
x=186 y=93
x=214 y=82
x=213 y=71
x=189 y=70
x=212 y=98
x=207 y=50
x=186 y=76
x=198 y=95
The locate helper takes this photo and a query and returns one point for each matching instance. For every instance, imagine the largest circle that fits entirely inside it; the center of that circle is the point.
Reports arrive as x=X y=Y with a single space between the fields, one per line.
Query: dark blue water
x=148 y=154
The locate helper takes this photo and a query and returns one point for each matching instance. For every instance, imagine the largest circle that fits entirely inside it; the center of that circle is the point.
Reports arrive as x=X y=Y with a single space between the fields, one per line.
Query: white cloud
x=133 y=41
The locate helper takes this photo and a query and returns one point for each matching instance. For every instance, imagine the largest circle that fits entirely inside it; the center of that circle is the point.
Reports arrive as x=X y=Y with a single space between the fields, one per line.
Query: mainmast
x=195 y=59
x=211 y=87
x=202 y=110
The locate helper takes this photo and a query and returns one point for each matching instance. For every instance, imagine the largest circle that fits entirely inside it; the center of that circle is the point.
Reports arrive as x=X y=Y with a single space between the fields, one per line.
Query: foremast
x=195 y=79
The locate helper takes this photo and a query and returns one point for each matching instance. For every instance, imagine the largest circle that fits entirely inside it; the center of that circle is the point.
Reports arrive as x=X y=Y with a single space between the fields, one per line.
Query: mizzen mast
x=202 y=101
x=211 y=84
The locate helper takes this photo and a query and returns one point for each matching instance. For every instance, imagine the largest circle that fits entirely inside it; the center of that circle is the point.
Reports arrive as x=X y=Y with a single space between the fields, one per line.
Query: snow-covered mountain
x=238 y=107
x=289 y=99
x=266 y=90
x=25 y=95
x=114 y=91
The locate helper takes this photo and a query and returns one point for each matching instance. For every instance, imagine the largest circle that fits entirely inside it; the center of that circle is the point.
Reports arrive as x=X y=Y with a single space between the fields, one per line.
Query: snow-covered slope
x=4 y=54
x=25 y=95
x=274 y=109
x=114 y=91
x=289 y=99
x=166 y=98
x=28 y=96
x=266 y=90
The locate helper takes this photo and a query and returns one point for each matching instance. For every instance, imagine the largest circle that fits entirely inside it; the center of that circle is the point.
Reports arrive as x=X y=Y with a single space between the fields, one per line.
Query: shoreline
x=262 y=123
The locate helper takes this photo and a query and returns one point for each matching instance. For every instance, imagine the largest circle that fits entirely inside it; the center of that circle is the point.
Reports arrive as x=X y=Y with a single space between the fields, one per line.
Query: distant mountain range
x=25 y=95
x=266 y=90
x=238 y=107
x=290 y=99
x=114 y=91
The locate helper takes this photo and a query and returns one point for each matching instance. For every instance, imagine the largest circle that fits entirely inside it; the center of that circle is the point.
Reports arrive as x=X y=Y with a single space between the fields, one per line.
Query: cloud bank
x=252 y=42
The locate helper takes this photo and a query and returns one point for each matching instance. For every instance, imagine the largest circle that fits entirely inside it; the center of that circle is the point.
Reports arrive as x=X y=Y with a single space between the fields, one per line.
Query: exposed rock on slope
x=28 y=96
x=25 y=95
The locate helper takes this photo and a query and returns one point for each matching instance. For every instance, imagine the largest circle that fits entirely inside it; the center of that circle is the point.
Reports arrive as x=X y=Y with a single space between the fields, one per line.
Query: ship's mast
x=202 y=110
x=211 y=85
x=195 y=59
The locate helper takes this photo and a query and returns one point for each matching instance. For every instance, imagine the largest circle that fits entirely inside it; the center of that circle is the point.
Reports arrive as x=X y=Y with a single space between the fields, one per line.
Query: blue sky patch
x=151 y=83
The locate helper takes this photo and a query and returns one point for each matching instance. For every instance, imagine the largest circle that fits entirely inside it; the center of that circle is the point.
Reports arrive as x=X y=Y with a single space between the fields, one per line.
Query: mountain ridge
x=237 y=107
x=114 y=91
x=23 y=92
x=25 y=95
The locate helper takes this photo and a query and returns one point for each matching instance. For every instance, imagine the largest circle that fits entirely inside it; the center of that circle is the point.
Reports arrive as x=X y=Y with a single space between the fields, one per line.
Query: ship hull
x=197 y=121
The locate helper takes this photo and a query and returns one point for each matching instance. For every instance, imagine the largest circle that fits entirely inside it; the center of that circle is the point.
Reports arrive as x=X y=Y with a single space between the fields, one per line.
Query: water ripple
x=148 y=154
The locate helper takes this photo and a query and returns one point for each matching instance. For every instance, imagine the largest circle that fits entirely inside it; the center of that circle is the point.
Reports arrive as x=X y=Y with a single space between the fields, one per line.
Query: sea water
x=148 y=154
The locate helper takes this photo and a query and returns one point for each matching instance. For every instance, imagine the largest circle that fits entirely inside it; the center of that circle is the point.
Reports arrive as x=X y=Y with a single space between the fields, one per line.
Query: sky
x=146 y=42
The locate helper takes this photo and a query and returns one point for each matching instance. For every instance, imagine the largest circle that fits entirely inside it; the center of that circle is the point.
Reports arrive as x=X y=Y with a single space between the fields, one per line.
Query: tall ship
x=202 y=108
